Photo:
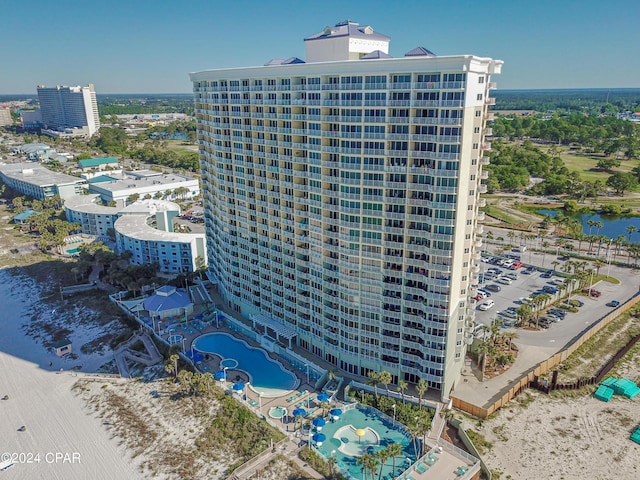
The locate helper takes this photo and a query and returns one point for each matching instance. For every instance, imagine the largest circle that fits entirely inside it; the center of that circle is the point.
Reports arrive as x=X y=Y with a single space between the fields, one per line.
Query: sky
x=150 y=46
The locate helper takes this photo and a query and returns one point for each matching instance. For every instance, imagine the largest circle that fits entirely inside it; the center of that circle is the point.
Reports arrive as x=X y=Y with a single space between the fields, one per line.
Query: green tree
x=421 y=388
x=622 y=182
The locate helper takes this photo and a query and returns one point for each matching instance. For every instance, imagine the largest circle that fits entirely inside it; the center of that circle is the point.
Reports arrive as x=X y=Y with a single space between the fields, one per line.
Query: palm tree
x=374 y=381
x=510 y=336
x=385 y=379
x=382 y=456
x=401 y=388
x=511 y=234
x=394 y=450
x=524 y=313
x=555 y=264
x=173 y=359
x=483 y=350
x=598 y=226
x=331 y=461
x=630 y=230
x=591 y=224
x=421 y=388
x=369 y=464
x=545 y=246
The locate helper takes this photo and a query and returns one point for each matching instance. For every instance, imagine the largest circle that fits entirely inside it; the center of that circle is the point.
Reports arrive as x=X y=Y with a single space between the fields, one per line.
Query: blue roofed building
x=168 y=301
x=98 y=163
x=24 y=216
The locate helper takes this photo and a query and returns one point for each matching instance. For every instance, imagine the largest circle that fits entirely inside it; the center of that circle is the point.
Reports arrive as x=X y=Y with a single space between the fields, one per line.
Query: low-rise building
x=36 y=181
x=168 y=186
x=144 y=228
x=88 y=164
x=94 y=217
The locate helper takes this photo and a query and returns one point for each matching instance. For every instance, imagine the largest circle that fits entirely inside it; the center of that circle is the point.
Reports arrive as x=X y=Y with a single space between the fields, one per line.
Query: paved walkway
x=123 y=352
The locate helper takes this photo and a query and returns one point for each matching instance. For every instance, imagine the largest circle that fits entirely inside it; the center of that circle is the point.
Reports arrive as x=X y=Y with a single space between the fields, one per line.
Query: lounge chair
x=421 y=467
x=430 y=461
x=409 y=477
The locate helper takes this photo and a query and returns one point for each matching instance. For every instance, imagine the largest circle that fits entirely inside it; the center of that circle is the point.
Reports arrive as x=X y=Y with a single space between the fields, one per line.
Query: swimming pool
x=73 y=251
x=345 y=443
x=266 y=375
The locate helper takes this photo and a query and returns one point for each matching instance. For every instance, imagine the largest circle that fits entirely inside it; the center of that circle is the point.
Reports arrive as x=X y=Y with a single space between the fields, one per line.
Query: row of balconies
x=339 y=86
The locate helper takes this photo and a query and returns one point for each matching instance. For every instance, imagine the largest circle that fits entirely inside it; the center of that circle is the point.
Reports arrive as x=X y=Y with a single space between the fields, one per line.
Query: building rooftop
x=89 y=204
x=21 y=217
x=348 y=28
x=36 y=174
x=167 y=298
x=150 y=206
x=138 y=227
x=138 y=179
x=95 y=162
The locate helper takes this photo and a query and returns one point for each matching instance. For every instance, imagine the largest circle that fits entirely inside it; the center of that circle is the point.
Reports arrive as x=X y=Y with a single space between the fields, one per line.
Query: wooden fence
x=529 y=378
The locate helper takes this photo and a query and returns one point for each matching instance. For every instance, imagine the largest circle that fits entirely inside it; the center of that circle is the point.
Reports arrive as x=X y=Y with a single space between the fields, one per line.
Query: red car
x=592 y=293
x=516 y=265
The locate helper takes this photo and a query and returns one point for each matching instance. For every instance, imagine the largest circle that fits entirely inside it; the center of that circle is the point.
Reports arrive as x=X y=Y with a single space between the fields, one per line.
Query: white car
x=504 y=281
x=486 y=305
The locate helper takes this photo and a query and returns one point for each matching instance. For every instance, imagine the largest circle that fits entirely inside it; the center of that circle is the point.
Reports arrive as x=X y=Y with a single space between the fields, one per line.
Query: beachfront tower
x=69 y=109
x=341 y=198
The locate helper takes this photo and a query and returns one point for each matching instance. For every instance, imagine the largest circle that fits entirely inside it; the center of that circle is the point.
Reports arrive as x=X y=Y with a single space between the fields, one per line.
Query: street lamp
x=394 y=413
x=260 y=400
x=307 y=366
x=225 y=373
x=183 y=340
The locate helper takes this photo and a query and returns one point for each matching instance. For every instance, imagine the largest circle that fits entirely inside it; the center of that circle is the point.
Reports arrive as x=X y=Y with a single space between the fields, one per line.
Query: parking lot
x=564 y=330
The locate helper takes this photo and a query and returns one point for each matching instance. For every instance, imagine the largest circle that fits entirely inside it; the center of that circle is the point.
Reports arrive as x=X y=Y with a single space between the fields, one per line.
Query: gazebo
x=168 y=301
x=273 y=329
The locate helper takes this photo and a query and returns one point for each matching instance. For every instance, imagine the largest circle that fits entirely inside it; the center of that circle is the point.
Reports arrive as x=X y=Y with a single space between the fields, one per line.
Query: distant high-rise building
x=341 y=198
x=73 y=110
x=5 y=117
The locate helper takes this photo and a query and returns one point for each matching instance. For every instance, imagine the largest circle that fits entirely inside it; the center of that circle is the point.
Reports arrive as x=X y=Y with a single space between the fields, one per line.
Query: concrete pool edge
x=264 y=391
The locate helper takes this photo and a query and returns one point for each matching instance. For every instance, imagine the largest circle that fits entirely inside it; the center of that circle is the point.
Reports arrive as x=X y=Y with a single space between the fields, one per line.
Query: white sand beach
x=61 y=440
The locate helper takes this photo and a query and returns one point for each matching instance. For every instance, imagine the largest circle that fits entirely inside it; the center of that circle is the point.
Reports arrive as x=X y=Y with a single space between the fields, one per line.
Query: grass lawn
x=585 y=165
x=181 y=146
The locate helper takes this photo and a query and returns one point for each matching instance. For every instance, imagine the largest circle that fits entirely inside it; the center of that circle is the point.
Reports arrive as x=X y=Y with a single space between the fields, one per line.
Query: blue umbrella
x=336 y=412
x=319 y=422
x=238 y=386
x=323 y=397
x=299 y=412
x=319 y=438
x=220 y=375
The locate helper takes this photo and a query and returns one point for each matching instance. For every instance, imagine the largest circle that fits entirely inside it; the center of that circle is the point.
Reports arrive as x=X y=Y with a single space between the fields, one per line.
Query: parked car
x=593 y=292
x=550 y=290
x=516 y=265
x=508 y=313
x=547 y=274
x=495 y=270
x=504 y=281
x=524 y=300
x=485 y=292
x=512 y=276
x=613 y=303
x=558 y=312
x=493 y=288
x=486 y=305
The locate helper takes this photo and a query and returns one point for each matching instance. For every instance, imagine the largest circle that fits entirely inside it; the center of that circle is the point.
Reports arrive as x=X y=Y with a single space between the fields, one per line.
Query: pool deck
x=304 y=396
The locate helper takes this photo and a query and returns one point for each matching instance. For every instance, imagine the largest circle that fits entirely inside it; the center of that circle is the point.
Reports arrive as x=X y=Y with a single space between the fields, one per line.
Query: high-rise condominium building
x=341 y=198
x=71 y=109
